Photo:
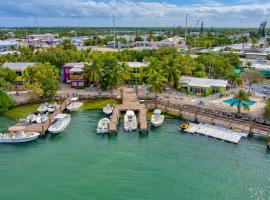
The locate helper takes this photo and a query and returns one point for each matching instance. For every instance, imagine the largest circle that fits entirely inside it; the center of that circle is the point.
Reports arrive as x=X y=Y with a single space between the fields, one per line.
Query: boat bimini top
x=157 y=111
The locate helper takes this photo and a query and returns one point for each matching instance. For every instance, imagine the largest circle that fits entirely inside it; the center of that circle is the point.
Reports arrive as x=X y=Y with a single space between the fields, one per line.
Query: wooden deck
x=129 y=102
x=42 y=127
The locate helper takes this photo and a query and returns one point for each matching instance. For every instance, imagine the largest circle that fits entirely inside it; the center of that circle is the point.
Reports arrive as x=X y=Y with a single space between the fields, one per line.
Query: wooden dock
x=130 y=101
x=42 y=127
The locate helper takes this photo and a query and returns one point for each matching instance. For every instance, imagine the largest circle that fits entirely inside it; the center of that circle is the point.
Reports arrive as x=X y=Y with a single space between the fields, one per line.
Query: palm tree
x=240 y=100
x=172 y=72
x=157 y=82
x=94 y=72
x=27 y=77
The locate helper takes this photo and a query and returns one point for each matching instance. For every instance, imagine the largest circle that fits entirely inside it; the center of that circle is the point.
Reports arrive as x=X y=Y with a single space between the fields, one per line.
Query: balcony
x=76 y=77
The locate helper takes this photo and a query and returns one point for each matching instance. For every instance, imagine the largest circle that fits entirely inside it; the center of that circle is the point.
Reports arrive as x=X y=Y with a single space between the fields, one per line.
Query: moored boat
x=61 y=123
x=157 y=119
x=18 y=137
x=42 y=118
x=31 y=118
x=130 y=121
x=43 y=108
x=103 y=126
x=183 y=126
x=75 y=104
x=108 y=109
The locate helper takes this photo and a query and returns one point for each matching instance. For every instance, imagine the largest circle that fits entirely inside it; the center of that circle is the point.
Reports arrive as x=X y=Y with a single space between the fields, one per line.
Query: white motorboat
x=157 y=119
x=18 y=137
x=42 y=108
x=130 y=121
x=75 y=104
x=42 y=118
x=61 y=123
x=103 y=125
x=108 y=109
x=31 y=118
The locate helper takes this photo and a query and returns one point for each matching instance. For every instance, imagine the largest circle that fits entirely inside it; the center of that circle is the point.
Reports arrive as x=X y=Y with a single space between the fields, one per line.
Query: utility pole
x=186 y=30
x=114 y=36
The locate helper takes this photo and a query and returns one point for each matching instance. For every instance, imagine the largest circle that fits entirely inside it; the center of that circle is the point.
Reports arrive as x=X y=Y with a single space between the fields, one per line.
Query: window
x=19 y=73
x=197 y=90
x=135 y=70
x=215 y=90
x=20 y=83
x=135 y=79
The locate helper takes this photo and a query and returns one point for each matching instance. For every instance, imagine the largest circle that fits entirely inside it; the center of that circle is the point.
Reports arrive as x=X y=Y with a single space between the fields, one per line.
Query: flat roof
x=8 y=43
x=203 y=82
x=18 y=65
x=261 y=66
x=138 y=64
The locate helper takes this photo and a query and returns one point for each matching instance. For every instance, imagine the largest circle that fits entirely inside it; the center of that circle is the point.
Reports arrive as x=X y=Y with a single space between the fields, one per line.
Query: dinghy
x=42 y=118
x=103 y=126
x=75 y=104
x=18 y=137
x=130 y=121
x=42 y=108
x=52 y=107
x=61 y=123
x=157 y=119
x=108 y=109
x=31 y=118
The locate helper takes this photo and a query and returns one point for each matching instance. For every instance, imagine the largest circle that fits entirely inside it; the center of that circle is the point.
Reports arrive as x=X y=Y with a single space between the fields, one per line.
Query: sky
x=131 y=13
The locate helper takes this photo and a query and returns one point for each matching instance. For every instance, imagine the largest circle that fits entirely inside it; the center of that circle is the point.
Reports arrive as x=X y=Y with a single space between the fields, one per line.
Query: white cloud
x=213 y=12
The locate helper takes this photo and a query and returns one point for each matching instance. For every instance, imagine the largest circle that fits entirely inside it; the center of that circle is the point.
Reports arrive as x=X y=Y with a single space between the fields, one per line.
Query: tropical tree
x=94 y=72
x=240 y=100
x=252 y=76
x=45 y=80
x=157 y=82
x=172 y=72
x=266 y=113
x=6 y=102
x=28 y=77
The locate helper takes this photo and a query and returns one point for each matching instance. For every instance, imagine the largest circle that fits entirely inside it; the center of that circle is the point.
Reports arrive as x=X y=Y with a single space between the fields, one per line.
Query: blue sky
x=217 y=13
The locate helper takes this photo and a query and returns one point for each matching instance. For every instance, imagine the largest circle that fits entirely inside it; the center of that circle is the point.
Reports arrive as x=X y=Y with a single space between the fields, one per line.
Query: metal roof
x=203 y=82
x=18 y=65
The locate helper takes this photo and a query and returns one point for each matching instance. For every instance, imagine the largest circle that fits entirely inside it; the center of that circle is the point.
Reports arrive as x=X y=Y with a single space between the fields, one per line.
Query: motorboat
x=18 y=137
x=75 y=104
x=108 y=109
x=31 y=118
x=130 y=121
x=103 y=126
x=42 y=118
x=52 y=107
x=61 y=123
x=157 y=119
x=23 y=121
x=43 y=108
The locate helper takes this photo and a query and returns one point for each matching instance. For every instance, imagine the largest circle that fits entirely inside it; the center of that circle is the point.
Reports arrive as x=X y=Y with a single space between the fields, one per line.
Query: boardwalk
x=129 y=102
x=42 y=127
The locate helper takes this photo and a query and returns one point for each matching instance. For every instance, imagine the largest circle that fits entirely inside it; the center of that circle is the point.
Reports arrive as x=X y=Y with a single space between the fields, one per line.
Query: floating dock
x=129 y=102
x=216 y=132
x=41 y=127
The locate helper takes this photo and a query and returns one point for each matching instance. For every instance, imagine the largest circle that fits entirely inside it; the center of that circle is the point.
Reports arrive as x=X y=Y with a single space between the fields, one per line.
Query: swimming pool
x=230 y=101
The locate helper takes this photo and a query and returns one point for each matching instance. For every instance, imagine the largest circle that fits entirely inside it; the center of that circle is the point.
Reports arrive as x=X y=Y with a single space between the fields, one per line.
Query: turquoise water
x=230 y=101
x=166 y=164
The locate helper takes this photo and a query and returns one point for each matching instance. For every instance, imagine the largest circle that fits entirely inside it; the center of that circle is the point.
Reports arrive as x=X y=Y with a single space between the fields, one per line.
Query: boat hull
x=20 y=140
x=74 y=106
x=64 y=125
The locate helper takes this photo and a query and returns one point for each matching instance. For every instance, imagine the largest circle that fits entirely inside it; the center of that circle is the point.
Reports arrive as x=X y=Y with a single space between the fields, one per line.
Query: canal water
x=79 y=164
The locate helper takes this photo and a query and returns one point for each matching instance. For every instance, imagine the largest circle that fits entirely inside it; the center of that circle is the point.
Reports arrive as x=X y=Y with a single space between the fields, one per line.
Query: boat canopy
x=130 y=113
x=60 y=116
x=74 y=99
x=157 y=111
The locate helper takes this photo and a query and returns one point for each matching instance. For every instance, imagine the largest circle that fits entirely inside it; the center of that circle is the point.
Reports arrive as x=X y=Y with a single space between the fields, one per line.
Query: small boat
x=18 y=137
x=43 y=108
x=31 y=118
x=130 y=121
x=42 y=118
x=108 y=109
x=61 y=123
x=157 y=119
x=75 y=104
x=103 y=125
x=183 y=126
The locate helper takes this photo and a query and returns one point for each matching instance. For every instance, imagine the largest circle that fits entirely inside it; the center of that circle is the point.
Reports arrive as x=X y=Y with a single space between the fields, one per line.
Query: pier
x=130 y=101
x=42 y=127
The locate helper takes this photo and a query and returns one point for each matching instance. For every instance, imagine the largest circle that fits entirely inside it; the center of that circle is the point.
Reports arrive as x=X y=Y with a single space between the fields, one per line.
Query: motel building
x=19 y=68
x=137 y=72
x=202 y=86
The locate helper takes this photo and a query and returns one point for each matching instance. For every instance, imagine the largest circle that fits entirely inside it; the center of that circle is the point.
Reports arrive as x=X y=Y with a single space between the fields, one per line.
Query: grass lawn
x=21 y=111
x=97 y=104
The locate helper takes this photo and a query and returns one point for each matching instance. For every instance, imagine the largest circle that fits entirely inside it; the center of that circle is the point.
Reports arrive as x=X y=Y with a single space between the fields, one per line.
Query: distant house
x=19 y=69
x=202 y=86
x=253 y=52
x=73 y=74
x=263 y=68
x=137 y=71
